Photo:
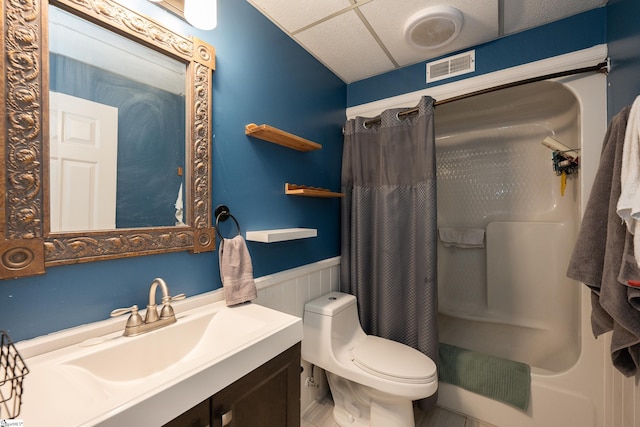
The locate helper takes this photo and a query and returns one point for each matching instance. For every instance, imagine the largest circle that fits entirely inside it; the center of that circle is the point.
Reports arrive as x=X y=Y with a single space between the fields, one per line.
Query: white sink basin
x=133 y=358
x=151 y=378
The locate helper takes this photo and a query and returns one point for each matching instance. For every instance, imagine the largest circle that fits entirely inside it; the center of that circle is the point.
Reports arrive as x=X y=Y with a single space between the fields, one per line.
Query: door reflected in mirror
x=117 y=130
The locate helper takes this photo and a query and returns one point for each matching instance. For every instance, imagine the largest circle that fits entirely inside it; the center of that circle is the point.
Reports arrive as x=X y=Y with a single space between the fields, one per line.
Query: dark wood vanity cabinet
x=268 y=396
x=198 y=416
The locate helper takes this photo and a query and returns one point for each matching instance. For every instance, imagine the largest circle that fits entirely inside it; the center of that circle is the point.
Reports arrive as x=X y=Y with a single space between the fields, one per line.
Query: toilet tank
x=330 y=323
x=330 y=304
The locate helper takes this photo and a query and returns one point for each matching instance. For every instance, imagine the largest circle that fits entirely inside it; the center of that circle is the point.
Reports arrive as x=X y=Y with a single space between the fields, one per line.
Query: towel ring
x=222 y=214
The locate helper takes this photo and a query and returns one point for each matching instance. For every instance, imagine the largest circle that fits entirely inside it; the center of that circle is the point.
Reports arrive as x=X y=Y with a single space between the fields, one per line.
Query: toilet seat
x=393 y=361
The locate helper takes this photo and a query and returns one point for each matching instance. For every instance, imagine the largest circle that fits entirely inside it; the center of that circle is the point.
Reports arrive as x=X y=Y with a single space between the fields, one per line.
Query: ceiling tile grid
x=389 y=17
x=291 y=15
x=346 y=46
x=523 y=14
x=357 y=39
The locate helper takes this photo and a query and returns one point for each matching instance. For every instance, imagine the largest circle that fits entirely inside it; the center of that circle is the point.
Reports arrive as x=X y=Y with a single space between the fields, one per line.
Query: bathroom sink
x=112 y=380
x=194 y=336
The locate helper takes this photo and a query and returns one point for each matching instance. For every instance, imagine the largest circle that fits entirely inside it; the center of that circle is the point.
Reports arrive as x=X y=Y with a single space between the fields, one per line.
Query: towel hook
x=222 y=214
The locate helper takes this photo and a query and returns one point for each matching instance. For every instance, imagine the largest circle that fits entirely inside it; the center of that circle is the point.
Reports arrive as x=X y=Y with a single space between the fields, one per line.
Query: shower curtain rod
x=602 y=67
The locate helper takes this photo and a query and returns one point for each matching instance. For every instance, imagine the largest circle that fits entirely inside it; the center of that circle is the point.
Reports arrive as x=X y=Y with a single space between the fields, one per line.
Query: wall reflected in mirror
x=117 y=130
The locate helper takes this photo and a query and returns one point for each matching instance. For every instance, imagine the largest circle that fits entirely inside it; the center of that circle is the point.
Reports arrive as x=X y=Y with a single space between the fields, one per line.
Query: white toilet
x=374 y=381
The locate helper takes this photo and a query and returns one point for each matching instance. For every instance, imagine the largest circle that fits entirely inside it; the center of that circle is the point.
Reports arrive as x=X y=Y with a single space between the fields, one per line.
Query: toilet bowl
x=373 y=380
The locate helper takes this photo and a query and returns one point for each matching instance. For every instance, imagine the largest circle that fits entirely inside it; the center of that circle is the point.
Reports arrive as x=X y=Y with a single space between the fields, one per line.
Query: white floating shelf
x=271 y=236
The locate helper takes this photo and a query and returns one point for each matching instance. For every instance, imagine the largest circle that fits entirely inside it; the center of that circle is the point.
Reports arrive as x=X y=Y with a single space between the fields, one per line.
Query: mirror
x=30 y=240
x=116 y=117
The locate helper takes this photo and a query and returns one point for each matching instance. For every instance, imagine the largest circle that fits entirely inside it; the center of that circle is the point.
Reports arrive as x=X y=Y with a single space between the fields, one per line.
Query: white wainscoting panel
x=289 y=291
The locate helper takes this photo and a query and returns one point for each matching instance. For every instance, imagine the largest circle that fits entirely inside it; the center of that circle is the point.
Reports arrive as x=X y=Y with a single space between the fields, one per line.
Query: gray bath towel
x=236 y=271
x=603 y=257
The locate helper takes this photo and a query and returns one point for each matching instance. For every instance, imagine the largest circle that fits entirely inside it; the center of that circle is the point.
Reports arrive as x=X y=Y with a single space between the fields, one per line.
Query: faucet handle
x=134 y=320
x=121 y=311
x=169 y=299
x=167 y=310
x=177 y=297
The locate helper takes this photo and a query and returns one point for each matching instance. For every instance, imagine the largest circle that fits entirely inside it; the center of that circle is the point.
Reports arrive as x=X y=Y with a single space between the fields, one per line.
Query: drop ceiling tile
x=296 y=14
x=523 y=14
x=388 y=19
x=344 y=45
x=332 y=32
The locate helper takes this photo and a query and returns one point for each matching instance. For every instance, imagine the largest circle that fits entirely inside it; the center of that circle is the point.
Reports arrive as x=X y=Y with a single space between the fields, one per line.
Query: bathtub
x=511 y=298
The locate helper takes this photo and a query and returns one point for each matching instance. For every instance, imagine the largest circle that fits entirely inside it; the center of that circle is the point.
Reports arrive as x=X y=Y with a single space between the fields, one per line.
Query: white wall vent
x=452 y=66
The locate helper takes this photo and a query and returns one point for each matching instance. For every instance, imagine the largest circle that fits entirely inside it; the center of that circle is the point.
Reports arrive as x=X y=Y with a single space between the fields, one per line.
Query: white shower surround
x=510 y=297
x=580 y=394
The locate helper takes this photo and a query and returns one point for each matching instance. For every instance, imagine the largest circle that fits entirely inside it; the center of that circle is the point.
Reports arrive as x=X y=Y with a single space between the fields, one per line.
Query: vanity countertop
x=85 y=377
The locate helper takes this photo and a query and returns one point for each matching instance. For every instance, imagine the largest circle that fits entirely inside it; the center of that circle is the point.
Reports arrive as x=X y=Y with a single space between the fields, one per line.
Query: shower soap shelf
x=277 y=136
x=303 y=190
x=12 y=372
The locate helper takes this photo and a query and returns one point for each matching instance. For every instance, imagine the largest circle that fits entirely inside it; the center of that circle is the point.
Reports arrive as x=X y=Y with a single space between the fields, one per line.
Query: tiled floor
x=319 y=415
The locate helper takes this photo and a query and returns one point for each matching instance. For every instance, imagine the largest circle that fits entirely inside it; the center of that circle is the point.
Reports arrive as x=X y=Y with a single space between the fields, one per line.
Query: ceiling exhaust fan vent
x=452 y=66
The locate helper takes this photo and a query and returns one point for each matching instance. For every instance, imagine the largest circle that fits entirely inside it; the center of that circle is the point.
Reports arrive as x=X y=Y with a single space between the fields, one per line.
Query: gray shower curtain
x=389 y=226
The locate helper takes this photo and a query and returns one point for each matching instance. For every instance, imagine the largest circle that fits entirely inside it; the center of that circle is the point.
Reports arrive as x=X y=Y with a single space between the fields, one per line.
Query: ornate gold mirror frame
x=26 y=245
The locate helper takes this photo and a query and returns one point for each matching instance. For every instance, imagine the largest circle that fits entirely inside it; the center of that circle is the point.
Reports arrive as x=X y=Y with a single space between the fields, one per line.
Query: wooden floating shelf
x=302 y=190
x=277 y=136
x=281 y=235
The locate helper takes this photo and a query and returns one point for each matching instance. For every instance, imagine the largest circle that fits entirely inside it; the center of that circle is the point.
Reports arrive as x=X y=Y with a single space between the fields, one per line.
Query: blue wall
x=623 y=35
x=262 y=76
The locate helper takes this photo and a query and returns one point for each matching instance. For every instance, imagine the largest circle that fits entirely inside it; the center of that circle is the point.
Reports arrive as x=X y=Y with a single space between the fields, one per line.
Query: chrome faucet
x=136 y=326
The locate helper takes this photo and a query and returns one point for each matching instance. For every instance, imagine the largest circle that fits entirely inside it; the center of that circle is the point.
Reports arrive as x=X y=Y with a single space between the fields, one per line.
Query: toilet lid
x=392 y=360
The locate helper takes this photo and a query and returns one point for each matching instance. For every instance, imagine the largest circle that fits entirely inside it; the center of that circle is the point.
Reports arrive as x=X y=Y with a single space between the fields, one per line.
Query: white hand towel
x=628 y=207
x=236 y=271
x=179 y=207
x=462 y=237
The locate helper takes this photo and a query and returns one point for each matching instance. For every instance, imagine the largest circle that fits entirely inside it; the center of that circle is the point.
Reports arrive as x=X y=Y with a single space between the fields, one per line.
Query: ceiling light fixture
x=433 y=27
x=202 y=14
